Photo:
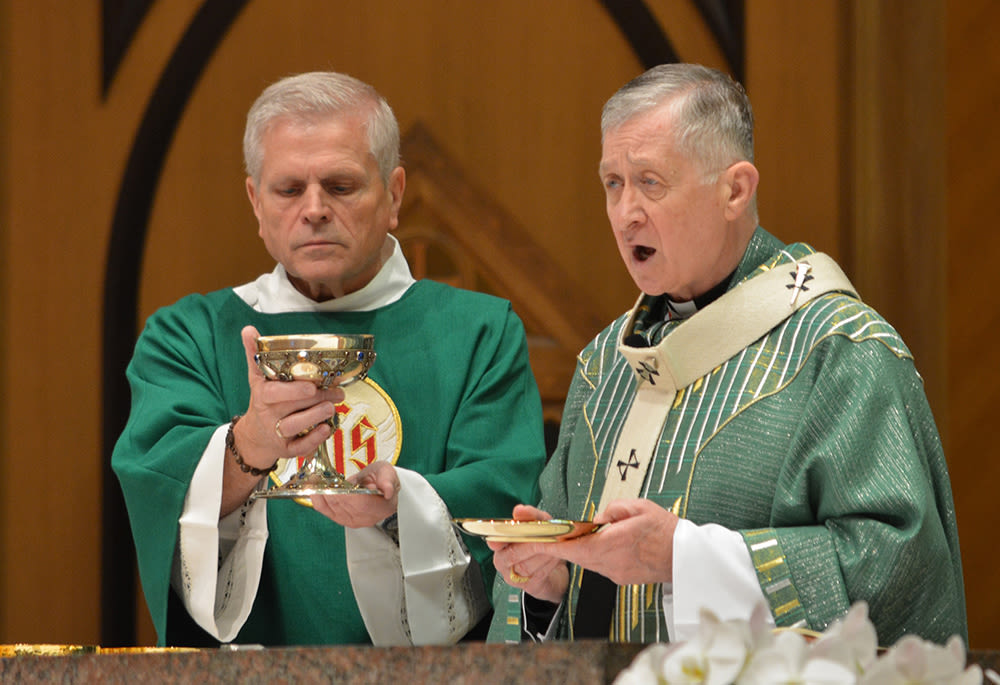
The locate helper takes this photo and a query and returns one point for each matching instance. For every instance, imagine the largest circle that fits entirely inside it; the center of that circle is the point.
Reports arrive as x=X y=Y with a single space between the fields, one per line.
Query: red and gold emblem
x=369 y=430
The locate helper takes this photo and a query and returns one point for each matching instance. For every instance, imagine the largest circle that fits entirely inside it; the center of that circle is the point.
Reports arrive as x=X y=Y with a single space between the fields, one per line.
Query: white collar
x=273 y=293
x=682 y=310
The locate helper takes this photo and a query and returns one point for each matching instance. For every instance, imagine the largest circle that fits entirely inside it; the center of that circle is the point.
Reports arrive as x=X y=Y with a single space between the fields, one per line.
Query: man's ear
x=741 y=185
x=252 y=194
x=395 y=188
x=255 y=204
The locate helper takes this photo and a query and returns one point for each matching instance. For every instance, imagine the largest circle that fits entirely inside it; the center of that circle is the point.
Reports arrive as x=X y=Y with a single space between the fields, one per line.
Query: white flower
x=749 y=653
x=790 y=661
x=715 y=656
x=646 y=667
x=913 y=661
x=850 y=641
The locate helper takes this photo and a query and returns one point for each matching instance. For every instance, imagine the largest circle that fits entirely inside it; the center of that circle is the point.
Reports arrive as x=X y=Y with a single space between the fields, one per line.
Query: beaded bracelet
x=244 y=467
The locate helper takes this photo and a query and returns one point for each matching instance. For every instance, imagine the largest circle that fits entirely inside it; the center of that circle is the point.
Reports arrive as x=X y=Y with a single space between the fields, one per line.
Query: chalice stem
x=326 y=468
x=318 y=467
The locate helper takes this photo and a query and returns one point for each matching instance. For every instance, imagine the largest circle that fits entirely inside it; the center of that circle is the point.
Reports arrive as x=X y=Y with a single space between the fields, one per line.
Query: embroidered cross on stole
x=700 y=344
x=690 y=351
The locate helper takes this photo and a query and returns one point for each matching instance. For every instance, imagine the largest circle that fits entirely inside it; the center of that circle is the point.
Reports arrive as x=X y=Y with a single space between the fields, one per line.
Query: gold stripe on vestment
x=785 y=608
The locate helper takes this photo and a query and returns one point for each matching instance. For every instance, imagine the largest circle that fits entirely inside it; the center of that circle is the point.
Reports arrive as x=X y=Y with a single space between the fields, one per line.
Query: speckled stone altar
x=473 y=663
x=581 y=663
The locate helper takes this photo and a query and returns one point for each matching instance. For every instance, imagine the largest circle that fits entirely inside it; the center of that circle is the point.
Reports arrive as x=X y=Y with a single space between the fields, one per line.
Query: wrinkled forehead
x=659 y=114
x=644 y=139
x=350 y=122
x=318 y=135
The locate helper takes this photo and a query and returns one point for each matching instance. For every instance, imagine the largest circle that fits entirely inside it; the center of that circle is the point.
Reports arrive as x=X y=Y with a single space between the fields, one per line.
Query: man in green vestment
x=447 y=423
x=750 y=434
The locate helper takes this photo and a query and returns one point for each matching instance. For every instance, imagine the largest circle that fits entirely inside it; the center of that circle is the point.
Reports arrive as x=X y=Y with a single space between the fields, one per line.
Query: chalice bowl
x=324 y=360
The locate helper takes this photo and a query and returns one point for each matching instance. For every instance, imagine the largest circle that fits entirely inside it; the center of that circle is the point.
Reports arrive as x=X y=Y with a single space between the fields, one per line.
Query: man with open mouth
x=749 y=435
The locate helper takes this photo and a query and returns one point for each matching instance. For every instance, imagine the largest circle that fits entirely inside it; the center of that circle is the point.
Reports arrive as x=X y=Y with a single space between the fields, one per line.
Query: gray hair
x=713 y=121
x=321 y=93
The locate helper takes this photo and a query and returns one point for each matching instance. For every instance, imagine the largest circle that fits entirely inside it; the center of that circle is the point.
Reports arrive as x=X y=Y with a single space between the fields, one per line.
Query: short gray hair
x=307 y=95
x=712 y=114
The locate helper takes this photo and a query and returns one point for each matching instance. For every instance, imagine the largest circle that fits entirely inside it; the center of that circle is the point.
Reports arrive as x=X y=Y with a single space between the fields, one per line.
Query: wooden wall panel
x=53 y=233
x=898 y=148
x=970 y=314
x=794 y=78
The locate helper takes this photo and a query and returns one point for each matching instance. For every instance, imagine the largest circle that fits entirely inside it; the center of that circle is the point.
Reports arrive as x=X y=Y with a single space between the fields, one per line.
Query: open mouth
x=641 y=252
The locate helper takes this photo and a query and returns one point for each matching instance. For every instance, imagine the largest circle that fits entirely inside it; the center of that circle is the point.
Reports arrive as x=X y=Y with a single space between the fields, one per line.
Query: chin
x=650 y=289
x=646 y=285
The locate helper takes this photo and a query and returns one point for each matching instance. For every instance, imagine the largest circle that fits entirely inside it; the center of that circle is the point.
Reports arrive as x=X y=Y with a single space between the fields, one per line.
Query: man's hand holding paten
x=634 y=547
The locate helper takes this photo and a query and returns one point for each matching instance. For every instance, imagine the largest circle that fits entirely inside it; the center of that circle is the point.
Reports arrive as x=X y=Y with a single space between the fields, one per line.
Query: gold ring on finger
x=517 y=578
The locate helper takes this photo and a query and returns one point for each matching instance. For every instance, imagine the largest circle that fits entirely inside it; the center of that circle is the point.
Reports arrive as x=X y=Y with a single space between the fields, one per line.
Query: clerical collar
x=654 y=314
x=682 y=310
x=273 y=293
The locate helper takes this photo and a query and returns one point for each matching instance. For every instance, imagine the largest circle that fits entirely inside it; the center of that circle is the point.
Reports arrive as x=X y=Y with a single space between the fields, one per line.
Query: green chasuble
x=815 y=443
x=453 y=362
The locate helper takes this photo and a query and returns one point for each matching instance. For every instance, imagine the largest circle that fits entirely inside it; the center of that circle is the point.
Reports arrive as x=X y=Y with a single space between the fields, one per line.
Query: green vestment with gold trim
x=815 y=443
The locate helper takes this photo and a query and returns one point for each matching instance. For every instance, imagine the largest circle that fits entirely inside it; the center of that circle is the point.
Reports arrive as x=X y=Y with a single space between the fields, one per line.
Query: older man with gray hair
x=447 y=423
x=749 y=434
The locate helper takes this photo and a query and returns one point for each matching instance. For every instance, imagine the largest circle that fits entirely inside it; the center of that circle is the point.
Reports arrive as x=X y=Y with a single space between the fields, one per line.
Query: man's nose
x=631 y=211
x=316 y=209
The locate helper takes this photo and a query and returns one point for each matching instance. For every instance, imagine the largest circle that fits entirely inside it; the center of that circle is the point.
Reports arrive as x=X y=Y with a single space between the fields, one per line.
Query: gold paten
x=512 y=530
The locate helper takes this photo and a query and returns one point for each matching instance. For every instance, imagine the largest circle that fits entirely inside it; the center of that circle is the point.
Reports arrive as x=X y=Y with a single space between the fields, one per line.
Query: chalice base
x=308 y=482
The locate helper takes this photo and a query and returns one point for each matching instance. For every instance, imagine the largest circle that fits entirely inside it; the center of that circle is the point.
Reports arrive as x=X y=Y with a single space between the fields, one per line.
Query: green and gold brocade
x=815 y=443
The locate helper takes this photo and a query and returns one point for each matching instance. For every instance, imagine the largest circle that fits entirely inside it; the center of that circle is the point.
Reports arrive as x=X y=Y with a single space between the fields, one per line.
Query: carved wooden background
x=120 y=128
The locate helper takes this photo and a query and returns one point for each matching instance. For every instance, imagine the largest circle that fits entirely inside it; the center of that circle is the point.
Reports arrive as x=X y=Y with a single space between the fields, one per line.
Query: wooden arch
x=452 y=231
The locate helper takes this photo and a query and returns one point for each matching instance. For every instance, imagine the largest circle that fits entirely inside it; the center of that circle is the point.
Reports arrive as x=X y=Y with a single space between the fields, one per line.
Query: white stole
x=706 y=340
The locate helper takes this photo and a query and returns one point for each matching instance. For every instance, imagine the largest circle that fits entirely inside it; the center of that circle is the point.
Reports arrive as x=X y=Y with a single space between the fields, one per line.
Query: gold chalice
x=322 y=359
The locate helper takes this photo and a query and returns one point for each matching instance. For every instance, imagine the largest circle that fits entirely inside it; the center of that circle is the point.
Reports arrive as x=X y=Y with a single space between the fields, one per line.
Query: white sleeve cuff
x=712 y=570
x=427 y=591
x=218 y=563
